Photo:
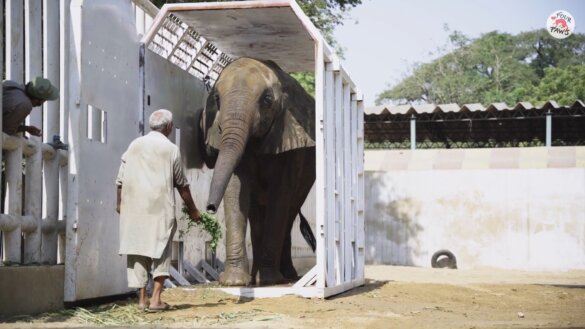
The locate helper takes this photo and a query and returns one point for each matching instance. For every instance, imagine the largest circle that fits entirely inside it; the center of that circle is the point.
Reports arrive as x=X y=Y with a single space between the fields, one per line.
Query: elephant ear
x=209 y=125
x=295 y=126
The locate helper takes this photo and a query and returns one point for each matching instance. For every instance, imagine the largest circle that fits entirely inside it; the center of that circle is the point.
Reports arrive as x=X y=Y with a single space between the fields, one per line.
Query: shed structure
x=475 y=126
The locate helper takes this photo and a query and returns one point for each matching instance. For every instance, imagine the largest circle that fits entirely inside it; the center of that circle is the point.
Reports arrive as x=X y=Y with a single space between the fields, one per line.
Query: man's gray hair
x=160 y=119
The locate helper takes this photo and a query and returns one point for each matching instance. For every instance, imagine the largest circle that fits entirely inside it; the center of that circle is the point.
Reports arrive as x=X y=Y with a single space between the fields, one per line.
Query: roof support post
x=413 y=132
x=548 y=129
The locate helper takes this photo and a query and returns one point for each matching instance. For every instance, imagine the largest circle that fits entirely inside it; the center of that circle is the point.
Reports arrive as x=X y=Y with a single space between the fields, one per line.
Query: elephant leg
x=256 y=217
x=236 y=206
x=304 y=177
x=273 y=236
x=286 y=265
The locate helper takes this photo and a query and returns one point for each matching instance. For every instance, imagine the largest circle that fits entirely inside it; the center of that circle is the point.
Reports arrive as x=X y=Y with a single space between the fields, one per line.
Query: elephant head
x=253 y=102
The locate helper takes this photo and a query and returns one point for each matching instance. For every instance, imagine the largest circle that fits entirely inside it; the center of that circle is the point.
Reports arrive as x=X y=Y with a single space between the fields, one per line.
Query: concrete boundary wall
x=529 y=215
x=44 y=289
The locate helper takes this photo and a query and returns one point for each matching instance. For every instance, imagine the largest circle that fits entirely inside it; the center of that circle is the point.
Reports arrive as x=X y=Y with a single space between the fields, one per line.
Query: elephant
x=258 y=133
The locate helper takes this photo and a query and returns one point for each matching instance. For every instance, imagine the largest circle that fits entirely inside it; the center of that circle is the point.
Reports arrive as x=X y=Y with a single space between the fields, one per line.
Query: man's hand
x=195 y=215
x=33 y=131
x=185 y=194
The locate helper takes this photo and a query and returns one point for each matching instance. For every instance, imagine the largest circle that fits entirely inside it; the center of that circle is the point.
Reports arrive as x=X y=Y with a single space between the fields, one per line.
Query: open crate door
x=104 y=117
x=202 y=38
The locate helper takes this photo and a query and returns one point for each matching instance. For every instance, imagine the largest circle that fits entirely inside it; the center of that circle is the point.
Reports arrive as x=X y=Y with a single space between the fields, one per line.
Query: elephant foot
x=269 y=276
x=233 y=276
x=289 y=273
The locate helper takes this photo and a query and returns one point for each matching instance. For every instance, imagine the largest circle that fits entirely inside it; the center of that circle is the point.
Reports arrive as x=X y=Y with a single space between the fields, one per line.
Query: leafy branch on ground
x=208 y=223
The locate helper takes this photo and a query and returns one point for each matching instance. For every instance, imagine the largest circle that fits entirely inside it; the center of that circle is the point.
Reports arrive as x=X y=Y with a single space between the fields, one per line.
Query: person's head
x=161 y=121
x=40 y=90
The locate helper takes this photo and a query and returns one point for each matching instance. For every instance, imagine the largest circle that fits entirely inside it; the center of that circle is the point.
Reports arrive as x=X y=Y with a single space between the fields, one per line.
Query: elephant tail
x=307 y=232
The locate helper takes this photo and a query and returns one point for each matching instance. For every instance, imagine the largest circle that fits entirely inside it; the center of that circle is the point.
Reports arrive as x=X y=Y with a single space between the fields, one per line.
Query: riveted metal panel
x=108 y=80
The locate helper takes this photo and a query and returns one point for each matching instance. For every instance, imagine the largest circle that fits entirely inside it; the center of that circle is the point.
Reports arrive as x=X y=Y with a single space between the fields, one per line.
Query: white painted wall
x=531 y=219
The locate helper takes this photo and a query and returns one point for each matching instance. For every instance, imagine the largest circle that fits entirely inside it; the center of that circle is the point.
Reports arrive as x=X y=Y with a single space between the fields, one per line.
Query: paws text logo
x=560 y=24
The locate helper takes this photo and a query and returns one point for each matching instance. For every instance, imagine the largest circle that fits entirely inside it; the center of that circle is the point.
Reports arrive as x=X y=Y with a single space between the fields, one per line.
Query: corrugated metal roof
x=474 y=107
x=474 y=125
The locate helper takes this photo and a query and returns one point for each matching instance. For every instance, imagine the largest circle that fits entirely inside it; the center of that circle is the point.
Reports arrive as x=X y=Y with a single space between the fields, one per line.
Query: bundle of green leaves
x=208 y=223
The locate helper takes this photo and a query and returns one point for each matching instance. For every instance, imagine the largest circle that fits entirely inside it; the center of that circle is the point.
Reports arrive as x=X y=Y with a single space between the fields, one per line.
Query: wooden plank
x=64 y=20
x=347 y=174
x=209 y=270
x=154 y=25
x=178 y=277
x=52 y=65
x=33 y=185
x=321 y=205
x=355 y=158
x=361 y=219
x=14 y=41
x=146 y=7
x=33 y=49
x=195 y=273
x=339 y=198
x=308 y=277
x=64 y=46
x=329 y=176
x=262 y=292
x=139 y=16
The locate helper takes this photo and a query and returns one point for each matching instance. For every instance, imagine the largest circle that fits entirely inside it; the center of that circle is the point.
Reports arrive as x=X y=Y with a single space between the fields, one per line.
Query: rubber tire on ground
x=450 y=263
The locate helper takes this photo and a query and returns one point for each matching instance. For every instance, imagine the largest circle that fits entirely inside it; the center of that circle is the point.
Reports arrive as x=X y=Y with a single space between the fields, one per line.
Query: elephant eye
x=217 y=101
x=267 y=99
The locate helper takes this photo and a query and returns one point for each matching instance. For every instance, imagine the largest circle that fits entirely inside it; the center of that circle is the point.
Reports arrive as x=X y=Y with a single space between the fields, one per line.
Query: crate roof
x=202 y=38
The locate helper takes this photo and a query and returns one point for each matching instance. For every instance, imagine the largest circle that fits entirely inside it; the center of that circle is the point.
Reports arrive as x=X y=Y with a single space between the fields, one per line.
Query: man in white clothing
x=150 y=171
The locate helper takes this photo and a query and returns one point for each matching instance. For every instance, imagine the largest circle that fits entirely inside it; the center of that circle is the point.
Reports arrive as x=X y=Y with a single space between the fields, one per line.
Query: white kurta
x=151 y=168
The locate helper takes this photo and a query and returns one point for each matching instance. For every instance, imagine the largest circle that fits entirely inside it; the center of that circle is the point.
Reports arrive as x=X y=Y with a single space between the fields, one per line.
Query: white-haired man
x=151 y=168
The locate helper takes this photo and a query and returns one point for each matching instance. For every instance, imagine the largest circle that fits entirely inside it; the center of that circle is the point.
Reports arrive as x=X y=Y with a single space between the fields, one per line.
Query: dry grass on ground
x=397 y=297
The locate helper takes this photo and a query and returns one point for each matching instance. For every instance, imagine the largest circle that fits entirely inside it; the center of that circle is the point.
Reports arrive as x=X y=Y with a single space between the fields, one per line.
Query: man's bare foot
x=159 y=307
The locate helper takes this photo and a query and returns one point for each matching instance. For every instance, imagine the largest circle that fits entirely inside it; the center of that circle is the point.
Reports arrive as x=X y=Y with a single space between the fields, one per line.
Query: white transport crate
x=202 y=38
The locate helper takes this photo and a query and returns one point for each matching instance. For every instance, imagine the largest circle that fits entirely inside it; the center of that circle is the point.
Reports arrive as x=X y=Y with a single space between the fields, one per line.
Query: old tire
x=444 y=259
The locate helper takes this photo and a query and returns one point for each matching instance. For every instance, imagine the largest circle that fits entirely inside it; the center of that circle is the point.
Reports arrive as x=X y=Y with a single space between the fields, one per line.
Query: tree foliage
x=497 y=67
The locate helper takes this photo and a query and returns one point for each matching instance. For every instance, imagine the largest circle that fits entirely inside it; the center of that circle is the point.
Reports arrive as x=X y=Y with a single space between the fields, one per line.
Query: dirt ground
x=393 y=297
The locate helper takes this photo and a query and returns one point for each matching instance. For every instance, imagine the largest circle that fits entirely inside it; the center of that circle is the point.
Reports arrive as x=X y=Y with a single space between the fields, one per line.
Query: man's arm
x=185 y=194
x=31 y=130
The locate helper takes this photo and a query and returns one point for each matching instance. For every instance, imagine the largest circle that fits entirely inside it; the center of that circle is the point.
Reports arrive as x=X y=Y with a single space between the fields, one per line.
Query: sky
x=383 y=38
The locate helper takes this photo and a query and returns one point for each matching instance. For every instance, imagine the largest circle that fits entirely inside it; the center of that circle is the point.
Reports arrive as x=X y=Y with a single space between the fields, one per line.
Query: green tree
x=497 y=67
x=562 y=84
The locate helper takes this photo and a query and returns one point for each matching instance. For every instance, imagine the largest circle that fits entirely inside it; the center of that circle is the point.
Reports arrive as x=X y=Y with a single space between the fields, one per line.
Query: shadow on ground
x=369 y=285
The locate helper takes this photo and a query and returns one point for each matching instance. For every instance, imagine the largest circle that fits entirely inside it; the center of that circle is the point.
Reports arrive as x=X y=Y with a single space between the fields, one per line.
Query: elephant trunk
x=233 y=143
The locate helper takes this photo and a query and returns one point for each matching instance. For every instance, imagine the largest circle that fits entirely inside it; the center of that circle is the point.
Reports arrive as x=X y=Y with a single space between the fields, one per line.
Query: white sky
x=381 y=37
